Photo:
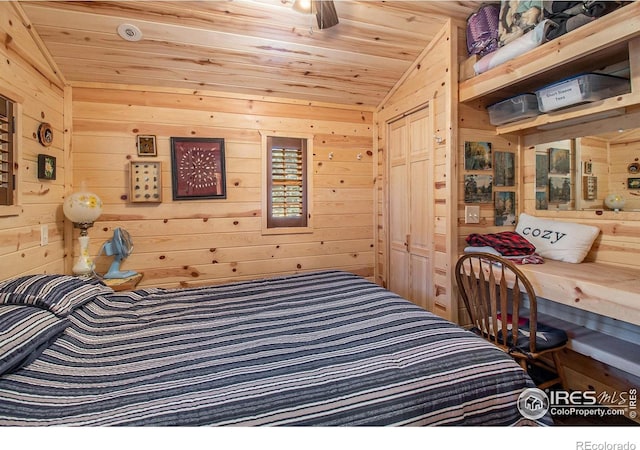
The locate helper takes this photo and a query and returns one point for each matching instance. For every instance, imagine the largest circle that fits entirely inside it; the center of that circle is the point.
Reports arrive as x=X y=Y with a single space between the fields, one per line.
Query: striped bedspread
x=326 y=348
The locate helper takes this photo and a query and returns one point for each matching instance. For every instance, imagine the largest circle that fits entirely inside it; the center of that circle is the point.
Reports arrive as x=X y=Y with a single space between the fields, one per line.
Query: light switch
x=44 y=235
x=471 y=214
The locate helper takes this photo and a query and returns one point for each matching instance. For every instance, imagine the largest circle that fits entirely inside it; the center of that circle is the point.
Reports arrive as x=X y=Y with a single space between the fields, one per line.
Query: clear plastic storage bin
x=514 y=108
x=581 y=89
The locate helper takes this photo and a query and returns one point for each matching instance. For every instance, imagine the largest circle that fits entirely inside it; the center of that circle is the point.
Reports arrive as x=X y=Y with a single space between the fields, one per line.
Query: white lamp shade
x=82 y=207
x=614 y=201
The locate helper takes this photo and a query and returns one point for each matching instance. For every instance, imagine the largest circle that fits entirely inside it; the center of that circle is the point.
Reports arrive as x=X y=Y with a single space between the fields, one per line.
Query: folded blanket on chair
x=508 y=243
x=518 y=259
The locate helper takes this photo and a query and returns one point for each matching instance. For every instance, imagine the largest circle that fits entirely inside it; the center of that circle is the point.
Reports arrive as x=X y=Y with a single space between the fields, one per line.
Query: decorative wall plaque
x=146 y=182
x=197 y=168
x=45 y=134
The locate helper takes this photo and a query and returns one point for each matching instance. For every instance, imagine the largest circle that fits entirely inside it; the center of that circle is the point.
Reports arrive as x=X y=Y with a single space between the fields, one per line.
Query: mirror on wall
x=599 y=172
x=555 y=179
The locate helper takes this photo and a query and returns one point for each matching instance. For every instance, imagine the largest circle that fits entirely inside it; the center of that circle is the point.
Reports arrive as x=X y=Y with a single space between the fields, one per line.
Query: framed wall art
x=633 y=183
x=45 y=134
x=46 y=167
x=146 y=182
x=147 y=146
x=542 y=202
x=504 y=169
x=559 y=161
x=478 y=188
x=559 y=189
x=505 y=208
x=542 y=170
x=477 y=156
x=198 y=168
x=589 y=187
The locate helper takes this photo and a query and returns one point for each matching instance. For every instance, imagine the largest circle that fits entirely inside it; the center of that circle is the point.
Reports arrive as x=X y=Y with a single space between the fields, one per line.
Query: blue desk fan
x=120 y=246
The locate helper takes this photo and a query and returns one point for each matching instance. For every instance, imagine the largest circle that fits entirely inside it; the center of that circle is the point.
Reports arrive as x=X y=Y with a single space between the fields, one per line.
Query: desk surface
x=604 y=289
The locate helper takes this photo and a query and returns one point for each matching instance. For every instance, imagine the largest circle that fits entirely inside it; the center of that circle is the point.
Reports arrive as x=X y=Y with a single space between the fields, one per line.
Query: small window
x=7 y=147
x=286 y=195
x=287 y=184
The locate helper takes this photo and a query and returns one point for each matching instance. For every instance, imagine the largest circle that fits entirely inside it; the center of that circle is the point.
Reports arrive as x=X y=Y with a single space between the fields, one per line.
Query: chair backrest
x=493 y=289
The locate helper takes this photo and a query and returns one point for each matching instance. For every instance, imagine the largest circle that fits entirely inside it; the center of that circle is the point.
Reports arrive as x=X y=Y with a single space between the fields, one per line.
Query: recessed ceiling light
x=303 y=6
x=129 y=32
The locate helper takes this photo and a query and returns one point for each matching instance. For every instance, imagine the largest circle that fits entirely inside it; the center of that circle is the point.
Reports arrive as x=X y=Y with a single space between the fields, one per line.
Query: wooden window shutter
x=287 y=182
x=6 y=151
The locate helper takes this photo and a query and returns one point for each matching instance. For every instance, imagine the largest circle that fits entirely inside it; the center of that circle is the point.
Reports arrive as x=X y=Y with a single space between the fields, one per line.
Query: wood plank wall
x=487 y=224
x=473 y=126
x=27 y=77
x=432 y=80
x=195 y=242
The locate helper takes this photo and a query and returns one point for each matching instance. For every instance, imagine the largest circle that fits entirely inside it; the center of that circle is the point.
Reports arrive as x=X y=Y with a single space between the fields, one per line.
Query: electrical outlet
x=471 y=214
x=44 y=235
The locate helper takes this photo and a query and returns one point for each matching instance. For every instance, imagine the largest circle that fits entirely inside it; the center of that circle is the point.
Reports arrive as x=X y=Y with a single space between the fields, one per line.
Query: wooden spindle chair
x=495 y=292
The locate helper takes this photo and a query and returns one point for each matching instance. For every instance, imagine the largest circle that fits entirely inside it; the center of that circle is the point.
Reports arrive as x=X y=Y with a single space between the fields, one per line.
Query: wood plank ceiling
x=256 y=47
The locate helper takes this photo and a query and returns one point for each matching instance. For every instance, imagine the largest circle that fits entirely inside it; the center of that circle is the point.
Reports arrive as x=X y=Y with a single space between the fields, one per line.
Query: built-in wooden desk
x=603 y=351
x=604 y=289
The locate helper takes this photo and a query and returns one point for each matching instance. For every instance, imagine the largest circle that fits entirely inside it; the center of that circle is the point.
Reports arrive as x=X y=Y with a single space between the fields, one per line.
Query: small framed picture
x=478 y=188
x=588 y=168
x=505 y=208
x=146 y=182
x=46 y=167
x=45 y=134
x=147 y=146
x=541 y=200
x=633 y=183
x=589 y=187
x=559 y=189
x=504 y=169
x=477 y=156
x=542 y=170
x=559 y=161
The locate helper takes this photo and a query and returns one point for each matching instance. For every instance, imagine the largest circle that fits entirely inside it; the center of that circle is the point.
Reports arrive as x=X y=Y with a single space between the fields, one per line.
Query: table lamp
x=614 y=201
x=83 y=208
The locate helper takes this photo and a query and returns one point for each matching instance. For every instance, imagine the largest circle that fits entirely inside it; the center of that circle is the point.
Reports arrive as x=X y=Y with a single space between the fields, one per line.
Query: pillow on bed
x=59 y=294
x=553 y=239
x=25 y=332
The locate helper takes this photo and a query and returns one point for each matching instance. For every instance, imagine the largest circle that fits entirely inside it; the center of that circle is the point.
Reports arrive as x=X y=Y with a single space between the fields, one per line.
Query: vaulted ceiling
x=256 y=47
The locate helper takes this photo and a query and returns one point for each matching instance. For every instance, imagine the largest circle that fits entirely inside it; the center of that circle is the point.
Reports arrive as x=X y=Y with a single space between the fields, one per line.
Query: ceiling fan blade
x=325 y=13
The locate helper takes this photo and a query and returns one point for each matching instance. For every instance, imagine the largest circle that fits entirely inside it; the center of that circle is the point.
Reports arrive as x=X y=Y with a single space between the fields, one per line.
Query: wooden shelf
x=609 y=107
x=609 y=40
x=600 y=42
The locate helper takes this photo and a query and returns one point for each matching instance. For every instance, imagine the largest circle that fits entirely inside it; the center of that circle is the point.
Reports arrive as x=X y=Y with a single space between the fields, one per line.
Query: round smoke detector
x=129 y=32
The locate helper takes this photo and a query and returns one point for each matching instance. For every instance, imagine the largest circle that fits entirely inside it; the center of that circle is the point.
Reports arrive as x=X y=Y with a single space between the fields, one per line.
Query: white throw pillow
x=553 y=239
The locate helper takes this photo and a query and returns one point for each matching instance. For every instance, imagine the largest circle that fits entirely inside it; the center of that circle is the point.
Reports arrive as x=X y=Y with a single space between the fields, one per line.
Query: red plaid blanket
x=508 y=243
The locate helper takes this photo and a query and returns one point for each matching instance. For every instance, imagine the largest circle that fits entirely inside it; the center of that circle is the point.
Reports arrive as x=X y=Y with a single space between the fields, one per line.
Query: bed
x=316 y=349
